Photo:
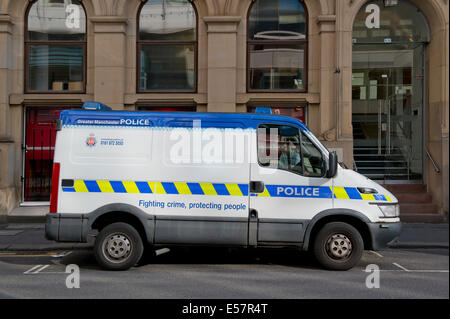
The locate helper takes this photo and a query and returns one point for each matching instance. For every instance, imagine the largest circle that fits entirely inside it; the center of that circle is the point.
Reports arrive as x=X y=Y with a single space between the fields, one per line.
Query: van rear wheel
x=118 y=247
x=338 y=246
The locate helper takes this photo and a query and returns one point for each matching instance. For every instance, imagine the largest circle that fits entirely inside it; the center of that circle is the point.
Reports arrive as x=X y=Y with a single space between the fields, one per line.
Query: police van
x=143 y=180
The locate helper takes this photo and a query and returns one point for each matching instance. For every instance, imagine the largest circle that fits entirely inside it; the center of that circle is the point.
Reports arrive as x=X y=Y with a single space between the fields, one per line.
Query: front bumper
x=66 y=228
x=383 y=233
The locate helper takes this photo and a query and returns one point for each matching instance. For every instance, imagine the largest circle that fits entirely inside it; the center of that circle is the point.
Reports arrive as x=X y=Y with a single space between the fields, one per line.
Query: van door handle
x=256 y=187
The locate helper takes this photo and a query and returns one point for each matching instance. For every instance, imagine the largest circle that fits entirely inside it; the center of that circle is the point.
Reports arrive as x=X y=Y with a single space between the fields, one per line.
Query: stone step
x=422 y=218
x=380 y=164
x=419 y=208
x=406 y=188
x=19 y=211
x=414 y=198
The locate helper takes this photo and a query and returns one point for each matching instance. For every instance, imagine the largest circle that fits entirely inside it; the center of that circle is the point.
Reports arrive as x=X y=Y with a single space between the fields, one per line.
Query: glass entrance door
x=387 y=99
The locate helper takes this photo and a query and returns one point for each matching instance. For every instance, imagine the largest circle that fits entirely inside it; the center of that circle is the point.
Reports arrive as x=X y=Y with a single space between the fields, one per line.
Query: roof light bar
x=95 y=106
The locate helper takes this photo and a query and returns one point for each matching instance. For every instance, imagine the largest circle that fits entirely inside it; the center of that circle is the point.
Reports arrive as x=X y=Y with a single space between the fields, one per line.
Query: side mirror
x=332 y=165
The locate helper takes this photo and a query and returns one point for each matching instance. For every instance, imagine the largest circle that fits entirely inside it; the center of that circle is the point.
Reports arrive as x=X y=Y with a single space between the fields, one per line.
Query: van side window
x=279 y=147
x=312 y=158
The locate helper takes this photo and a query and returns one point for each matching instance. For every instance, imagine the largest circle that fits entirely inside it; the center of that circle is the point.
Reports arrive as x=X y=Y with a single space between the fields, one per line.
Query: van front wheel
x=118 y=246
x=338 y=246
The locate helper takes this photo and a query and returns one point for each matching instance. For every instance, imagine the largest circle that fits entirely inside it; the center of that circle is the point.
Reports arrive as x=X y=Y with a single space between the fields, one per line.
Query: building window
x=167 y=46
x=55 y=46
x=277 y=46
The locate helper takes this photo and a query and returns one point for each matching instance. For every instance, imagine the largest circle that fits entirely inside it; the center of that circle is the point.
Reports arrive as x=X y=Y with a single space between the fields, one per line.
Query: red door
x=39 y=150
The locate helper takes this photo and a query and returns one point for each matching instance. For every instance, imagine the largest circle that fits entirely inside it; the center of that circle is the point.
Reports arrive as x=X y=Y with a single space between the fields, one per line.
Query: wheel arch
x=352 y=217
x=111 y=213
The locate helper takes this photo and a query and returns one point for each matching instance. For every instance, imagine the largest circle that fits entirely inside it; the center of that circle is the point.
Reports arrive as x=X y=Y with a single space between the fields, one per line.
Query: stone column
x=222 y=62
x=327 y=76
x=109 y=60
x=331 y=119
x=5 y=62
x=343 y=80
x=437 y=115
x=7 y=155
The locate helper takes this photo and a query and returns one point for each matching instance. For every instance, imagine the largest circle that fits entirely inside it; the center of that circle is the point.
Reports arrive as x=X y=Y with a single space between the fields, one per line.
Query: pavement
x=422 y=235
x=30 y=236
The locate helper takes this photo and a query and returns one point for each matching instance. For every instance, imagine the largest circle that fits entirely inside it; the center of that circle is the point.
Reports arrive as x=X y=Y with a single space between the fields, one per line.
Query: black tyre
x=148 y=255
x=338 y=246
x=118 y=246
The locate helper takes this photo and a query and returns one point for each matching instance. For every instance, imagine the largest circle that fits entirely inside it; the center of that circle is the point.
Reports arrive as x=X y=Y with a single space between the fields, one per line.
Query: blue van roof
x=172 y=119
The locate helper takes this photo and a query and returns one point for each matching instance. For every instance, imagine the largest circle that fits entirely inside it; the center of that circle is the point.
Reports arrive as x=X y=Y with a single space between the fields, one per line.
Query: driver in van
x=290 y=156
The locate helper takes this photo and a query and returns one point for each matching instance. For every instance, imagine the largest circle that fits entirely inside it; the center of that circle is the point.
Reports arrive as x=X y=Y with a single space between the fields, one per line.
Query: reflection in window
x=400 y=23
x=55 y=46
x=381 y=74
x=312 y=158
x=277 y=40
x=55 y=68
x=167 y=46
x=164 y=67
x=274 y=67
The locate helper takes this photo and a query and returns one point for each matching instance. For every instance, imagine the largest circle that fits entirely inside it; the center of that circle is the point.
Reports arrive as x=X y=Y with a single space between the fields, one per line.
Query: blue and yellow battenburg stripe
x=175 y=188
x=319 y=192
x=218 y=189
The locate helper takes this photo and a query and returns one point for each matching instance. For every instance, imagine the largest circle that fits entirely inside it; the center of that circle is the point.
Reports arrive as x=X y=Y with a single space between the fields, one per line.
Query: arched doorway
x=388 y=78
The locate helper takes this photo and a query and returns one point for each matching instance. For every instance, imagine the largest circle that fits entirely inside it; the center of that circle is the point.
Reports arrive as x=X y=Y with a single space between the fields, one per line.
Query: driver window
x=312 y=158
x=279 y=147
x=283 y=147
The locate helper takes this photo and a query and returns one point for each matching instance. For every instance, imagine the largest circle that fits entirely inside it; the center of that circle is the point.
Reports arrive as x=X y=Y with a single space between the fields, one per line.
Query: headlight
x=390 y=210
x=366 y=190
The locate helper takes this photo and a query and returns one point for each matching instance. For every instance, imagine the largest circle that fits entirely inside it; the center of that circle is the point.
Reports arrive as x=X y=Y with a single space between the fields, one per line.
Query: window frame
x=140 y=42
x=28 y=43
x=324 y=170
x=304 y=42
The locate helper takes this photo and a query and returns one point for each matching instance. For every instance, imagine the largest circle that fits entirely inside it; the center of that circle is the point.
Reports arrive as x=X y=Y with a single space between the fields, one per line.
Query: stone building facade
x=335 y=78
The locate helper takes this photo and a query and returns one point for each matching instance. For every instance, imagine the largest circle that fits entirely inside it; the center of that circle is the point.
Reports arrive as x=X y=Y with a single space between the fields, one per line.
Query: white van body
x=165 y=174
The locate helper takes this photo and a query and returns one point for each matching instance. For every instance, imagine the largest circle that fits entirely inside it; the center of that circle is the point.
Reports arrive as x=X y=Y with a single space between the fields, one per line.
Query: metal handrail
x=436 y=168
